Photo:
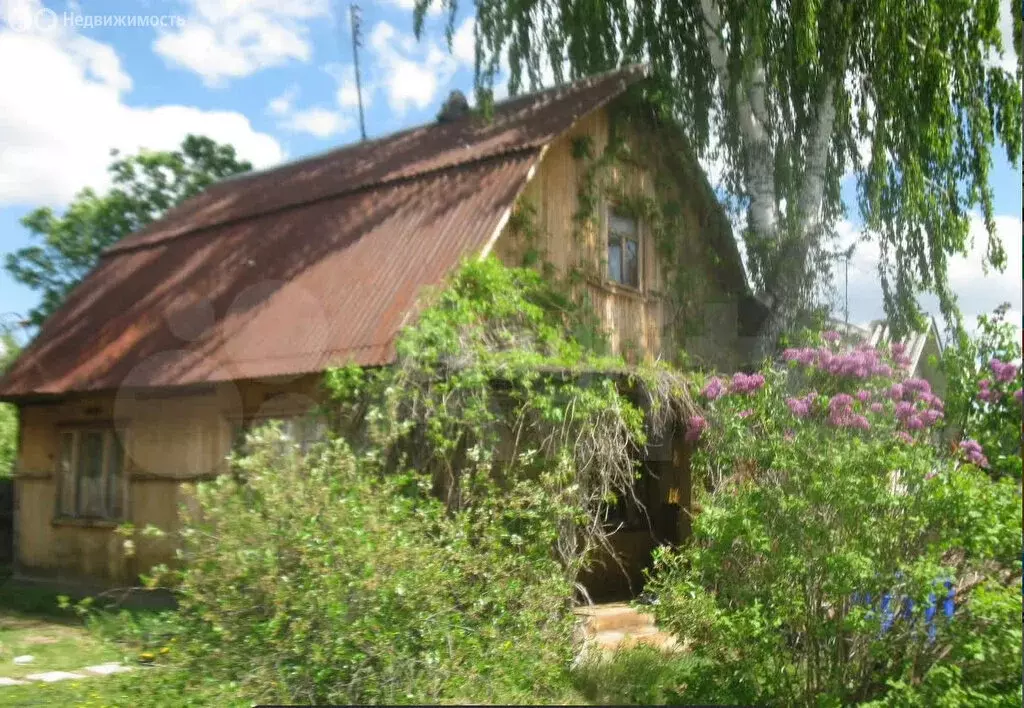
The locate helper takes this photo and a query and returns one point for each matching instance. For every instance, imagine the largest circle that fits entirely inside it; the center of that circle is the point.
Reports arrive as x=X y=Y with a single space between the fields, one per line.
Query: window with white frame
x=623 y=249
x=91 y=470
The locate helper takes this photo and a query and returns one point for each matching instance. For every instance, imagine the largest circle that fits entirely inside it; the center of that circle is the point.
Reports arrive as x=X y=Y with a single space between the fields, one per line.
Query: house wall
x=641 y=323
x=171 y=440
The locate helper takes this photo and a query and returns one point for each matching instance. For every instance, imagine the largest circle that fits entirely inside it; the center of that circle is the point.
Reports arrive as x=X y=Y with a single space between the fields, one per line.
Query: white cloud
x=228 y=39
x=347 y=96
x=410 y=73
x=282 y=105
x=410 y=5
x=319 y=122
x=407 y=81
x=977 y=293
x=464 y=42
x=59 y=121
x=1008 y=60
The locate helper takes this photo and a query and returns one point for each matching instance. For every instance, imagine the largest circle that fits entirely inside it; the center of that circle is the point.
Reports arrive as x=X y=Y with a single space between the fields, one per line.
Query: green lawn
x=55 y=645
x=32 y=623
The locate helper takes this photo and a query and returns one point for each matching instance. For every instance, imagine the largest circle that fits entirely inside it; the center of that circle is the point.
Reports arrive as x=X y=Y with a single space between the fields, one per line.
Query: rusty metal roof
x=292 y=270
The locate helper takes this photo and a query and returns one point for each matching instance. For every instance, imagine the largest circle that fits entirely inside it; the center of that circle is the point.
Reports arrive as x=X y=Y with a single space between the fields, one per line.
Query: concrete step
x=617 y=616
x=611 y=627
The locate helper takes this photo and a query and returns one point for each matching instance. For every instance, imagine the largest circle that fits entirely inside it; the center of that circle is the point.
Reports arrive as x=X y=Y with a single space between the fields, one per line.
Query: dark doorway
x=661 y=518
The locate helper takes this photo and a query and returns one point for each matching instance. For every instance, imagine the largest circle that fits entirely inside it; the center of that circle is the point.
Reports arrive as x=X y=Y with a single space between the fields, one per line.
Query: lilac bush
x=983 y=401
x=822 y=479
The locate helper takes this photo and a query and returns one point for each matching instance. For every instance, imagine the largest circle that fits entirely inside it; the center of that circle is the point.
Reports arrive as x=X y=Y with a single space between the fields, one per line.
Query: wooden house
x=226 y=311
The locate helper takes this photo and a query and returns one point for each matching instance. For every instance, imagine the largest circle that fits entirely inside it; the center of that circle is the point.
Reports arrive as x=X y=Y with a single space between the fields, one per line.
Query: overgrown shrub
x=429 y=551
x=829 y=523
x=983 y=401
x=317 y=581
x=496 y=402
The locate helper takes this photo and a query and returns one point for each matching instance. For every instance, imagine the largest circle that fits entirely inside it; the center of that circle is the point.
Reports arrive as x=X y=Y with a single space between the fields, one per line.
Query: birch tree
x=793 y=96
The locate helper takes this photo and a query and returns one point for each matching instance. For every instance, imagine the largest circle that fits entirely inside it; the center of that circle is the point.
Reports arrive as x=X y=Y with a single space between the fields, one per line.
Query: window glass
x=90 y=474
x=623 y=250
x=615 y=261
x=66 y=504
x=115 y=479
x=631 y=263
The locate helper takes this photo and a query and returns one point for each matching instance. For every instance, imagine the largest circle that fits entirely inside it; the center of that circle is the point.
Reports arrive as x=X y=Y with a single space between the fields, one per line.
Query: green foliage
x=8 y=412
x=790 y=99
x=808 y=517
x=319 y=581
x=978 y=405
x=644 y=675
x=501 y=399
x=982 y=663
x=429 y=551
x=144 y=187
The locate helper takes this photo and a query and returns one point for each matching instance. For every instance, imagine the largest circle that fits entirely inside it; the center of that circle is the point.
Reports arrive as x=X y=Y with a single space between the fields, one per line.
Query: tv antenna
x=355 y=14
x=846 y=256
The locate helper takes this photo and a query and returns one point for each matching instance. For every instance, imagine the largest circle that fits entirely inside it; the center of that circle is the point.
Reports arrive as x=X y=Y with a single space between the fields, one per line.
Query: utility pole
x=355 y=16
x=846 y=256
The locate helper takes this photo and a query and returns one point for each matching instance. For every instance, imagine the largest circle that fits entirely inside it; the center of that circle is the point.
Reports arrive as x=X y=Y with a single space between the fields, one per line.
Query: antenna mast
x=355 y=16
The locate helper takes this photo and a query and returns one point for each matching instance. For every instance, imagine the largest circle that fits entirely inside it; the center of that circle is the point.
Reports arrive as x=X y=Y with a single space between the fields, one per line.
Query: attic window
x=623 y=249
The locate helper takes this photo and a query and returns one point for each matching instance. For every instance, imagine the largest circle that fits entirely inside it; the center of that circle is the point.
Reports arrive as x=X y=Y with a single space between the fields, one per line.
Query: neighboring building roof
x=878 y=334
x=291 y=270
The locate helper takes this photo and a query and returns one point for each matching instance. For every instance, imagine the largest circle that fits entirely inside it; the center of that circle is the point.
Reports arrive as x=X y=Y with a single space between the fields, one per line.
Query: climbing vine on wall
x=678 y=251
x=496 y=404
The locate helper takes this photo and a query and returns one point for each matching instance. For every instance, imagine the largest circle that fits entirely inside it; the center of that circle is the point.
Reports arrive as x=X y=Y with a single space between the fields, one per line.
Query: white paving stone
x=52 y=676
x=4 y=681
x=25 y=659
x=107 y=669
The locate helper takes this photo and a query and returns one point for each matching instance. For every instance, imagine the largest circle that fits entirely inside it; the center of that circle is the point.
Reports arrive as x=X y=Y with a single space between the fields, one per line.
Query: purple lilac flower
x=917 y=386
x=880 y=369
x=985 y=393
x=904 y=409
x=840 y=410
x=841 y=400
x=798 y=407
x=896 y=392
x=791 y=355
x=1005 y=372
x=713 y=390
x=931 y=417
x=863 y=395
x=914 y=423
x=860 y=422
x=899 y=348
x=905 y=437
x=877 y=408
x=972 y=451
x=831 y=336
x=1017 y=395
x=742 y=383
x=746 y=413
x=695 y=427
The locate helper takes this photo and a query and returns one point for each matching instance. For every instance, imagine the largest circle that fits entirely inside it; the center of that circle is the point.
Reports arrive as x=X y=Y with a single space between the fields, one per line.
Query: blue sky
x=275 y=79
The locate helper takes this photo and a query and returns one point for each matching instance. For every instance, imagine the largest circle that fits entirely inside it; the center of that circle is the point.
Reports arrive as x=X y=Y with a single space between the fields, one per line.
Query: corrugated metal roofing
x=298 y=268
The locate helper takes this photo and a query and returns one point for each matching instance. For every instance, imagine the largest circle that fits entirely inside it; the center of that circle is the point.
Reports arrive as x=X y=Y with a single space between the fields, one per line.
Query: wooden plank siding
x=172 y=439
x=640 y=322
